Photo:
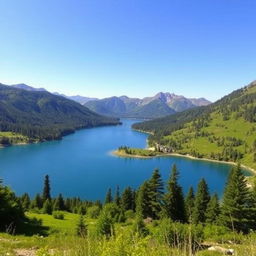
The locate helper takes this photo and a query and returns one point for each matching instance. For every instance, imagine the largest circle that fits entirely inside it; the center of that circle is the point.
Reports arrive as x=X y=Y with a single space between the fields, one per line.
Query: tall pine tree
x=156 y=188
x=143 y=208
x=174 y=206
x=109 y=198
x=117 y=196
x=189 y=204
x=213 y=210
x=127 y=199
x=236 y=202
x=202 y=199
x=47 y=189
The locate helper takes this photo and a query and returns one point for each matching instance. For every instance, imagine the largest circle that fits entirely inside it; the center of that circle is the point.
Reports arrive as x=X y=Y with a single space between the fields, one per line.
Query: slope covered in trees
x=222 y=131
x=40 y=115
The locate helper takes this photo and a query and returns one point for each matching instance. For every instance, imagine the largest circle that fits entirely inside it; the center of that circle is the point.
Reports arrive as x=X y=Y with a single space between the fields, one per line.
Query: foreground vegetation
x=222 y=131
x=149 y=221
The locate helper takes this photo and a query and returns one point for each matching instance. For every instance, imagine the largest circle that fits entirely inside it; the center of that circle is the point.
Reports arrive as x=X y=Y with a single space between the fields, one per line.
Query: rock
x=222 y=250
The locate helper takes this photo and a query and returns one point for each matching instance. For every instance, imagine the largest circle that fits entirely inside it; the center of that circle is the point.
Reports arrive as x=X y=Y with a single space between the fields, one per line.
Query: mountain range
x=162 y=104
x=224 y=130
x=40 y=115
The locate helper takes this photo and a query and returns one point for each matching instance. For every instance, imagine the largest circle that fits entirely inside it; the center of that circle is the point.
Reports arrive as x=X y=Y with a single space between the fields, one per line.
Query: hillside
x=40 y=115
x=162 y=104
x=222 y=131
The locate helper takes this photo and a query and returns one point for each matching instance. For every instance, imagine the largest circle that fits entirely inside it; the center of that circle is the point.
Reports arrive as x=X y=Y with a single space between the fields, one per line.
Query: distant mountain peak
x=27 y=87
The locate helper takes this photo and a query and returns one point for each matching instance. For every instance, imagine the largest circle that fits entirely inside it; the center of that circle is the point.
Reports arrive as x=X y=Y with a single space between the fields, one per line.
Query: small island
x=125 y=151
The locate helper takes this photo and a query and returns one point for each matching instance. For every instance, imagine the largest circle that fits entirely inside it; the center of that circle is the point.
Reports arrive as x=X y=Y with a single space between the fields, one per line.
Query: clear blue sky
x=134 y=47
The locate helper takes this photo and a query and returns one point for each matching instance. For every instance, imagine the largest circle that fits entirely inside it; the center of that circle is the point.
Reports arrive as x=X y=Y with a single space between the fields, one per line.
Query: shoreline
x=118 y=154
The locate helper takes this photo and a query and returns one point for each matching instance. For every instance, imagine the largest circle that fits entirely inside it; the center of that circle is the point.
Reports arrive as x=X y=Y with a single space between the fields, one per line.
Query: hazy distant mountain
x=161 y=104
x=28 y=88
x=80 y=99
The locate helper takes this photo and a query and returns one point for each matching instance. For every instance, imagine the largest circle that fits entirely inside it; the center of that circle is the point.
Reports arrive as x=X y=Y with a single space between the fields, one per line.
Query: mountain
x=41 y=115
x=28 y=88
x=161 y=104
x=224 y=130
x=80 y=99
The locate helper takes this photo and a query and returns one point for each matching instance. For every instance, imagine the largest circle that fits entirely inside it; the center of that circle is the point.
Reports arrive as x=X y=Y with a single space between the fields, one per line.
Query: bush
x=209 y=253
x=93 y=212
x=179 y=235
x=58 y=215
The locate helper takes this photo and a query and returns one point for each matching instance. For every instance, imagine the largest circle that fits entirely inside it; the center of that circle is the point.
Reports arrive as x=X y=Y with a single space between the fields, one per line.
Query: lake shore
x=122 y=154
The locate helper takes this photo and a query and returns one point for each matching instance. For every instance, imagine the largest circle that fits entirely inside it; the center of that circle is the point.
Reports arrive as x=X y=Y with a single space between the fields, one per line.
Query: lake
x=81 y=164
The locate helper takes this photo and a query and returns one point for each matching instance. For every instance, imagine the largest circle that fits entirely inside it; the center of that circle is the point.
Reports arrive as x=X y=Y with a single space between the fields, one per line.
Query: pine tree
x=127 y=199
x=59 y=204
x=37 y=202
x=25 y=201
x=117 y=196
x=202 y=199
x=105 y=225
x=213 y=210
x=81 y=228
x=189 y=204
x=236 y=202
x=47 y=207
x=174 y=206
x=109 y=197
x=142 y=203
x=156 y=188
x=47 y=189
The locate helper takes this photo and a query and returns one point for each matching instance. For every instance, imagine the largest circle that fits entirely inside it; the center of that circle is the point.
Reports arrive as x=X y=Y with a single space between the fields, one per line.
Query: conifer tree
x=202 y=199
x=189 y=204
x=213 y=210
x=109 y=197
x=142 y=203
x=105 y=225
x=81 y=228
x=127 y=199
x=174 y=206
x=47 y=189
x=156 y=187
x=37 y=202
x=25 y=201
x=47 y=207
x=59 y=204
x=117 y=196
x=236 y=202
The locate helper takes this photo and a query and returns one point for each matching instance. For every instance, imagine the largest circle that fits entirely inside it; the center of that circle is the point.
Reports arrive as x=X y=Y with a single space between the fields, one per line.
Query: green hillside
x=225 y=130
x=40 y=115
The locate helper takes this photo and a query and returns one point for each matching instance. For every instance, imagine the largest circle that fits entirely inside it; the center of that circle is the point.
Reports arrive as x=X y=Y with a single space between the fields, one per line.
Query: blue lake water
x=81 y=164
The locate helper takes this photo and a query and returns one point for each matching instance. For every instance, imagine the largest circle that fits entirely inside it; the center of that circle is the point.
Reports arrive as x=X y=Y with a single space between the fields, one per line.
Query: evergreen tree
x=236 y=202
x=59 y=204
x=174 y=206
x=117 y=196
x=213 y=210
x=156 y=188
x=11 y=212
x=189 y=204
x=142 y=203
x=47 y=207
x=47 y=189
x=127 y=199
x=109 y=197
x=37 y=202
x=81 y=228
x=25 y=201
x=202 y=199
x=139 y=227
x=105 y=225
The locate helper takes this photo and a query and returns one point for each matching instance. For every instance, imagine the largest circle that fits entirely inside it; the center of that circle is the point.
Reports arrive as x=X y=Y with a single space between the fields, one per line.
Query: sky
x=101 y=48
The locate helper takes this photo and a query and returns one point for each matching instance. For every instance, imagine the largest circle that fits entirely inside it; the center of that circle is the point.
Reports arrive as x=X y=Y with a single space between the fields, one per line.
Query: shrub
x=93 y=212
x=58 y=215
